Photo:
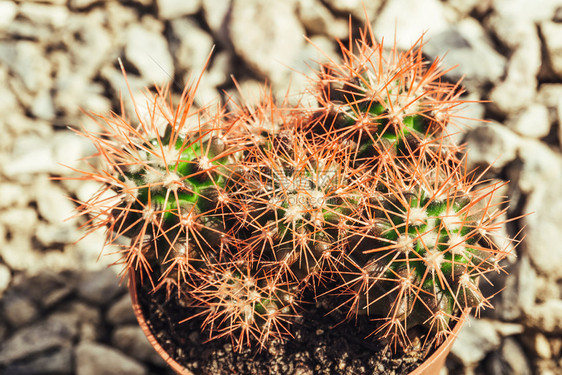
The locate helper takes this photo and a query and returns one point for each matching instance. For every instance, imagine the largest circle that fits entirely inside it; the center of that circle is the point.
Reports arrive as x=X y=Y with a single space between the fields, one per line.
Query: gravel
x=63 y=311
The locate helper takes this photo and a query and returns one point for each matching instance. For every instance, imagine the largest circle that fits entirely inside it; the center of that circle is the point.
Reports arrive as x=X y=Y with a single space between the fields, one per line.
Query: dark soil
x=320 y=346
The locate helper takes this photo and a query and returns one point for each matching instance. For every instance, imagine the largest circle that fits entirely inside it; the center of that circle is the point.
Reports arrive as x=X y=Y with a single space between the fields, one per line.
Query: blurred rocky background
x=62 y=310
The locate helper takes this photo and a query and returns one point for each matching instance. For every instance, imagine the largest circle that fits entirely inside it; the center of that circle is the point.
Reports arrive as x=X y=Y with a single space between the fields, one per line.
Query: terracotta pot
x=431 y=366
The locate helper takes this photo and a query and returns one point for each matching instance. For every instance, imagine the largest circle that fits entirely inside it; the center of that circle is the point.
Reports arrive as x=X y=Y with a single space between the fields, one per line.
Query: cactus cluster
x=362 y=201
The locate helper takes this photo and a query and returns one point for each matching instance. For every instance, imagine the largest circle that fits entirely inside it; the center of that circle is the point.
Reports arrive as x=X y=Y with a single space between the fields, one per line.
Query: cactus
x=362 y=202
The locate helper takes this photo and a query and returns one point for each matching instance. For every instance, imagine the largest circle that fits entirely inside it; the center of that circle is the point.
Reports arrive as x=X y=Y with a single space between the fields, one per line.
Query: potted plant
x=276 y=230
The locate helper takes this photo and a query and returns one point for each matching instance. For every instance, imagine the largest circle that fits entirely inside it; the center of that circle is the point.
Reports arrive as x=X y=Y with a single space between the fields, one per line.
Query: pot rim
x=430 y=366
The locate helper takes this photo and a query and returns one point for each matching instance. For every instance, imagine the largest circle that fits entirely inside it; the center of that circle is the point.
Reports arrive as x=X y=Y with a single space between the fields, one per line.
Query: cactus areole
x=263 y=219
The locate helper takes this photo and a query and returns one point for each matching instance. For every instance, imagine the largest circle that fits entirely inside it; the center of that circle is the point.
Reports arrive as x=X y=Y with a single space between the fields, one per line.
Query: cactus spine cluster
x=361 y=200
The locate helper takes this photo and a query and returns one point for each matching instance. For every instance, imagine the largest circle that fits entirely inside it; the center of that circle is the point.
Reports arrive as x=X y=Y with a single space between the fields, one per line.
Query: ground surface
x=62 y=311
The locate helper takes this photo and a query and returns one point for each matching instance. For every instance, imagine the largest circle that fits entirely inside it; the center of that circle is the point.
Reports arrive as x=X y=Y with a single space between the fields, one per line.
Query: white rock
x=50 y=235
x=533 y=122
x=19 y=221
x=408 y=20
x=539 y=164
x=170 y=9
x=543 y=223
x=43 y=106
x=8 y=101
x=27 y=60
x=522 y=11
x=513 y=94
x=467 y=45
x=30 y=155
x=509 y=30
x=52 y=202
x=268 y=36
x=546 y=317
x=12 y=195
x=519 y=292
x=519 y=86
x=475 y=340
x=542 y=346
x=216 y=15
x=192 y=46
x=319 y=20
x=8 y=11
x=90 y=45
x=492 y=144
x=148 y=52
x=52 y=15
x=67 y=150
x=552 y=32
x=5 y=278
x=550 y=95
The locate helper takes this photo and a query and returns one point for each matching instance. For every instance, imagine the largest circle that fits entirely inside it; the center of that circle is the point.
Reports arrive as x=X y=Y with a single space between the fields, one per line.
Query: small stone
x=95 y=359
x=148 y=52
x=87 y=319
x=121 y=312
x=12 y=195
x=509 y=360
x=550 y=94
x=40 y=337
x=55 y=16
x=477 y=338
x=407 y=20
x=540 y=163
x=67 y=149
x=30 y=155
x=360 y=9
x=170 y=9
x=8 y=11
x=216 y=13
x=267 y=36
x=508 y=329
x=27 y=60
x=533 y=122
x=519 y=293
x=492 y=144
x=467 y=45
x=18 y=309
x=551 y=32
x=52 y=202
x=511 y=31
x=58 y=362
x=316 y=18
x=518 y=89
x=132 y=341
x=191 y=46
x=543 y=207
x=520 y=10
x=42 y=106
x=546 y=317
x=542 y=346
x=19 y=221
x=100 y=287
x=5 y=278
